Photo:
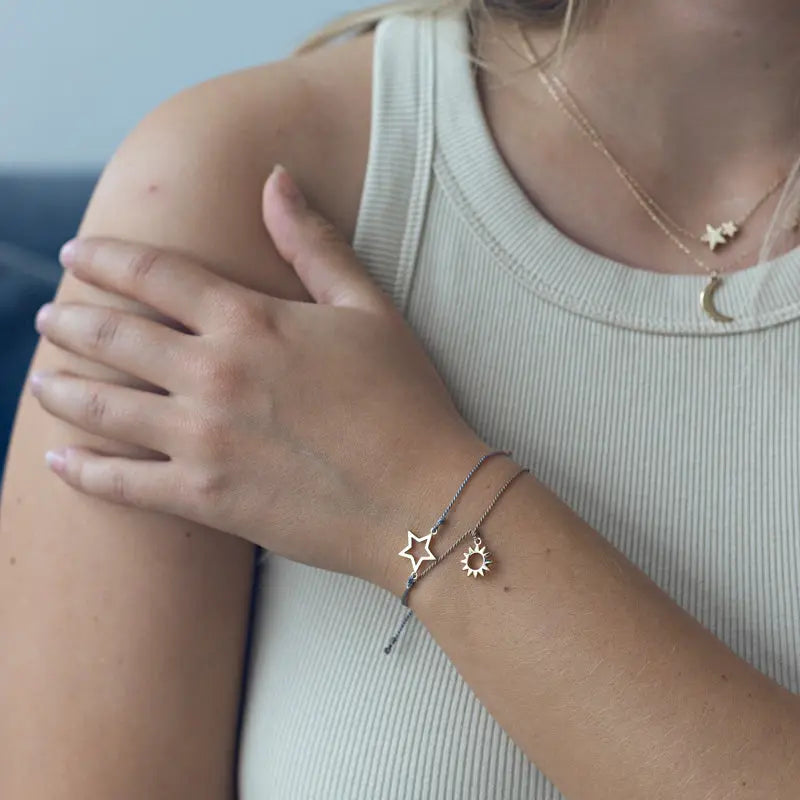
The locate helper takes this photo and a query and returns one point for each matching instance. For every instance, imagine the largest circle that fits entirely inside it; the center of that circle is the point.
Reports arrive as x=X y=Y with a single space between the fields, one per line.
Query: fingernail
x=55 y=459
x=42 y=315
x=68 y=252
x=287 y=187
x=37 y=379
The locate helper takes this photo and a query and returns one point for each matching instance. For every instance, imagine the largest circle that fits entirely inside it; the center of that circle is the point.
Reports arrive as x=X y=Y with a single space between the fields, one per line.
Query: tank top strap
x=394 y=198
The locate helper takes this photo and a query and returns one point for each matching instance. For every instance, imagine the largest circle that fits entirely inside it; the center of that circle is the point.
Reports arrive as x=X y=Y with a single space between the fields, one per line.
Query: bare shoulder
x=309 y=112
x=128 y=627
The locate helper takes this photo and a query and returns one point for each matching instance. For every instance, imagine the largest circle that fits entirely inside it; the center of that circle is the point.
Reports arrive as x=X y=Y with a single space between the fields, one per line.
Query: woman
x=582 y=274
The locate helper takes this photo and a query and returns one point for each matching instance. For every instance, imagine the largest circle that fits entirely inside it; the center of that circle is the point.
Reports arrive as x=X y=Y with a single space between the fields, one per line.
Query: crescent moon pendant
x=707 y=300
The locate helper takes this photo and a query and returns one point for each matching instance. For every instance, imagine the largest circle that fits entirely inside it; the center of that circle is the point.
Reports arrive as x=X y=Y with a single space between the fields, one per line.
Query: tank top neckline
x=471 y=170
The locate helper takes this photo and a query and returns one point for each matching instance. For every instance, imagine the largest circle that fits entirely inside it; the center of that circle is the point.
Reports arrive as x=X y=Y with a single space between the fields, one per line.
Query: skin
x=608 y=686
x=245 y=381
x=124 y=630
x=585 y=642
x=110 y=579
x=718 y=81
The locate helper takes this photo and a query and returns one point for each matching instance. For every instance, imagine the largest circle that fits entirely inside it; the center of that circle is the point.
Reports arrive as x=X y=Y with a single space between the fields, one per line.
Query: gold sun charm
x=476 y=549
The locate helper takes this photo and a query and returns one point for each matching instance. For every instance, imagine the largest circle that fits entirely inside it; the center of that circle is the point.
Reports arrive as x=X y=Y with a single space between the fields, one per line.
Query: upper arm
x=122 y=630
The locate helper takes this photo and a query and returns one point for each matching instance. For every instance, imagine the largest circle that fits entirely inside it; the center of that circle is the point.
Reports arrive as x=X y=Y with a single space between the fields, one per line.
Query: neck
x=698 y=101
x=718 y=77
x=694 y=97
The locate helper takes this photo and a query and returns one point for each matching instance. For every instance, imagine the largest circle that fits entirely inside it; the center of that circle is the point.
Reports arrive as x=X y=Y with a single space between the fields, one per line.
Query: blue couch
x=39 y=211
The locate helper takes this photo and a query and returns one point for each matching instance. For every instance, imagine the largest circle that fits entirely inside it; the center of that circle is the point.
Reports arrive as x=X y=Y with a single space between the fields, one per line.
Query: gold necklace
x=713 y=236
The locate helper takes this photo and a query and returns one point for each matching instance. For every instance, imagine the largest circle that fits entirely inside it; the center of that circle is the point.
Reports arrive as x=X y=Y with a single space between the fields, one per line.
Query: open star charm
x=427 y=556
x=719 y=235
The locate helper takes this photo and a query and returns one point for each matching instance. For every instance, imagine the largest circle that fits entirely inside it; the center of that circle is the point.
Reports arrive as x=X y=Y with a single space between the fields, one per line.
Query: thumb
x=319 y=254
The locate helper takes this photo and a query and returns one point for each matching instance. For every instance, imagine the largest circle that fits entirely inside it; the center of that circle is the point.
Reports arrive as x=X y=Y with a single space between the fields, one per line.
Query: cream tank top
x=676 y=437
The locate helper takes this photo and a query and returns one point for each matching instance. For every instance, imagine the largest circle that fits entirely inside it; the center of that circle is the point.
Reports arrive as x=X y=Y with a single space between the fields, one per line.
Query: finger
x=177 y=285
x=132 y=344
x=146 y=484
x=322 y=258
x=106 y=409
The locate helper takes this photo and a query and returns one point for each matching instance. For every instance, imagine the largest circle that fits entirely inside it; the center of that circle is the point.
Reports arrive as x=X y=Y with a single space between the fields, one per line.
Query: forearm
x=609 y=686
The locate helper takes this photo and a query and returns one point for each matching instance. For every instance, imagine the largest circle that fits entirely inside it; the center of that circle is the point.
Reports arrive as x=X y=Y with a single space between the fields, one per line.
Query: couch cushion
x=27 y=280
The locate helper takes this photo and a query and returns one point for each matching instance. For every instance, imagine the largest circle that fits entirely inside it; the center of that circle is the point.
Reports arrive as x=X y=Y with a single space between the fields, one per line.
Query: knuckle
x=94 y=408
x=118 y=487
x=208 y=485
x=329 y=241
x=225 y=303
x=141 y=263
x=327 y=233
x=253 y=315
x=245 y=311
x=104 y=333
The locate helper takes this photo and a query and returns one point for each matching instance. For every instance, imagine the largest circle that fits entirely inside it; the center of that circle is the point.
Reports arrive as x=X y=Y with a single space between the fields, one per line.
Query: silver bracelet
x=476 y=549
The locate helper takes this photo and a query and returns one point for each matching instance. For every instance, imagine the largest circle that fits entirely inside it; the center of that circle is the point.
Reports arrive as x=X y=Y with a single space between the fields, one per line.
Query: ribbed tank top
x=676 y=437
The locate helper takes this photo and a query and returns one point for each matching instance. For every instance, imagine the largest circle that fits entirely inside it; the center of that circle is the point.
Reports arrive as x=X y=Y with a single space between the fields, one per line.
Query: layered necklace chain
x=713 y=236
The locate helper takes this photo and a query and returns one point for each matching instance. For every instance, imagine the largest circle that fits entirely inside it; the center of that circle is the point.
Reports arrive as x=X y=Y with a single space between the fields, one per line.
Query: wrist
x=419 y=502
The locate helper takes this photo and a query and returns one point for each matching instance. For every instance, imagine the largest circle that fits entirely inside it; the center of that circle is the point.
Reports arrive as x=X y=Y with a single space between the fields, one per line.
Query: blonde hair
x=366 y=18
x=570 y=15
x=567 y=13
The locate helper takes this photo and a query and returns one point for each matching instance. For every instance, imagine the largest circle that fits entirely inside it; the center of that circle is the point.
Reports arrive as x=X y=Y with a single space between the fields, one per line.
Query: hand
x=311 y=429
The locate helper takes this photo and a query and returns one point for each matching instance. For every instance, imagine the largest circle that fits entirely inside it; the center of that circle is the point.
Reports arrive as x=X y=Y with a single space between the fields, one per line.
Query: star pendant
x=713 y=236
x=427 y=556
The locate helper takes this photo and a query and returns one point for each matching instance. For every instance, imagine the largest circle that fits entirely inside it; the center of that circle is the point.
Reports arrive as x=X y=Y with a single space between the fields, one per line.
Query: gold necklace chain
x=713 y=236
x=645 y=201
x=637 y=195
x=593 y=134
